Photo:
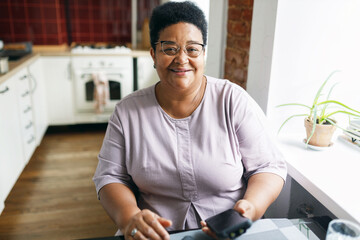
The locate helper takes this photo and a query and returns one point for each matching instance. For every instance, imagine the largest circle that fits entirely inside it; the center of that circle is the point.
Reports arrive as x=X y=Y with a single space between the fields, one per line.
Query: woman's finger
x=139 y=236
x=203 y=223
x=165 y=222
x=144 y=226
x=147 y=225
x=152 y=228
x=209 y=232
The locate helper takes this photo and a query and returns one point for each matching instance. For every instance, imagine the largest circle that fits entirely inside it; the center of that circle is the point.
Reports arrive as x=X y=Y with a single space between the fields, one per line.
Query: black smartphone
x=228 y=224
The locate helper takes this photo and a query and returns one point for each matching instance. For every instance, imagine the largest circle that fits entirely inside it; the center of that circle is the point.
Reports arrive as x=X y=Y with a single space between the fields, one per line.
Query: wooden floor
x=55 y=198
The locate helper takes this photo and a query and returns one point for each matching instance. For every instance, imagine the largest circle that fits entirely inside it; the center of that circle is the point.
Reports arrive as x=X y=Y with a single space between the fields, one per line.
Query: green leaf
x=322 y=86
x=342 y=111
x=313 y=126
x=327 y=98
x=297 y=115
x=338 y=103
x=293 y=104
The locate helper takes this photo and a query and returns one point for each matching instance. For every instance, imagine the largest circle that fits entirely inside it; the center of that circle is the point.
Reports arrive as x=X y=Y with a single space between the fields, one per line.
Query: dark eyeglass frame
x=178 y=48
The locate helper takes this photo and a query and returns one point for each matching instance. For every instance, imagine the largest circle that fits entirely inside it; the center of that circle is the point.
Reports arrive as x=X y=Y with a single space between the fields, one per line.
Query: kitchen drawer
x=28 y=133
x=29 y=145
x=26 y=114
x=24 y=91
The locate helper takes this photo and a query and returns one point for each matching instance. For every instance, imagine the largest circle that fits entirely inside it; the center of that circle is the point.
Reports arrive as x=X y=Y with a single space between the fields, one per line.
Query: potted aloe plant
x=319 y=120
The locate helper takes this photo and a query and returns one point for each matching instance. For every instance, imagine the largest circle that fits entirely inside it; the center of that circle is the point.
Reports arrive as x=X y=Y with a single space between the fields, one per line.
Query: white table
x=277 y=229
x=332 y=176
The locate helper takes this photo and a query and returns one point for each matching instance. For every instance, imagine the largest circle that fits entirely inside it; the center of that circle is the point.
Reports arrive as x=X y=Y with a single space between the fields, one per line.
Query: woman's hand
x=246 y=209
x=207 y=230
x=147 y=225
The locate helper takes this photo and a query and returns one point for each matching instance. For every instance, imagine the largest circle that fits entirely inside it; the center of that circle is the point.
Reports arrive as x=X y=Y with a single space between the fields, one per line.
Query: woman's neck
x=180 y=105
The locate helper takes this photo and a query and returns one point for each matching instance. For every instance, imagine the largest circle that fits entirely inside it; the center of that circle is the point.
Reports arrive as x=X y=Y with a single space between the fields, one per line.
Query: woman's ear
x=152 y=53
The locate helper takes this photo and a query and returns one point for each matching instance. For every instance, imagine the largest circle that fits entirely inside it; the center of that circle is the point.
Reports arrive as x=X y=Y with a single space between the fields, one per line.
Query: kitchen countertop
x=15 y=66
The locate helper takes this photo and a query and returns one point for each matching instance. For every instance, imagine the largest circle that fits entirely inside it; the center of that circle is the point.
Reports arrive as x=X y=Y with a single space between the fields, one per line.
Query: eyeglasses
x=172 y=48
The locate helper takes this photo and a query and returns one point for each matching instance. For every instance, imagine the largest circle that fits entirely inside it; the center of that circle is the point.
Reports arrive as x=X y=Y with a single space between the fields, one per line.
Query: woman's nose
x=181 y=57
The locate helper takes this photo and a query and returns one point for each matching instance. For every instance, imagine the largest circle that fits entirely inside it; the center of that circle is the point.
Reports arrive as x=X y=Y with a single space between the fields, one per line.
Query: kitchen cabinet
x=25 y=108
x=11 y=143
x=38 y=93
x=59 y=90
x=23 y=122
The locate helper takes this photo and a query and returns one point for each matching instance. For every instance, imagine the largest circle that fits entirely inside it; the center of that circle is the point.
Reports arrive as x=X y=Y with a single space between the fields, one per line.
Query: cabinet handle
x=31 y=139
x=25 y=94
x=34 y=81
x=68 y=72
x=5 y=90
x=27 y=109
x=29 y=125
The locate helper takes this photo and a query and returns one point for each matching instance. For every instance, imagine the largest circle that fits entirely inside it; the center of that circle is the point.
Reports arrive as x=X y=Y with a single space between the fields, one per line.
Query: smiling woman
x=189 y=146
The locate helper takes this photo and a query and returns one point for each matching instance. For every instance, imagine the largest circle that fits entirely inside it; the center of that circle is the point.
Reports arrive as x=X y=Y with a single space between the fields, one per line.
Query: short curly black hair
x=172 y=13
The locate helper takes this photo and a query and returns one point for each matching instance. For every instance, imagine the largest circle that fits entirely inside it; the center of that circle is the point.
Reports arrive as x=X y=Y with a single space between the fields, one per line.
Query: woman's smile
x=180 y=71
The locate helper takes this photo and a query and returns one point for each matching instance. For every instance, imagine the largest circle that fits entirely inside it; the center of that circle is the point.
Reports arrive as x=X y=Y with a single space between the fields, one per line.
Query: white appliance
x=118 y=71
x=146 y=74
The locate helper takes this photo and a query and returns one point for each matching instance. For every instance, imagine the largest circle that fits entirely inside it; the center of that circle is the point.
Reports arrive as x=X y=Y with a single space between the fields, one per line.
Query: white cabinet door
x=27 y=125
x=59 y=90
x=11 y=150
x=146 y=74
x=39 y=104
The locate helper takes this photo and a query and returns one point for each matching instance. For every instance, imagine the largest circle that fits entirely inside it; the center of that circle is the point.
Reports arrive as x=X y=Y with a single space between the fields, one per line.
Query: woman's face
x=179 y=72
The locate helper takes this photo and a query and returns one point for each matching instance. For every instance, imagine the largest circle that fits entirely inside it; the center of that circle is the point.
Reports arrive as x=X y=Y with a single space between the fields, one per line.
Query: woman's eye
x=192 y=50
x=171 y=50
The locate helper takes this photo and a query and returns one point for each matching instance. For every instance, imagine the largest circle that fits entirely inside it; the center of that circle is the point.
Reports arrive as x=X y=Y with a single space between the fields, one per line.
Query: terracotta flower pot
x=322 y=135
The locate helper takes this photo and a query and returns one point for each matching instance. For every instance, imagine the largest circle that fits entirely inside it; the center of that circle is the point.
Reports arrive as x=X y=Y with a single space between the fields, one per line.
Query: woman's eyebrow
x=167 y=41
x=192 y=41
x=188 y=42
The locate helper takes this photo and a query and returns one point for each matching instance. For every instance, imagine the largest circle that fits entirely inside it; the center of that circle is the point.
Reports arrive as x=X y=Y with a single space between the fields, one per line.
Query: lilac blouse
x=191 y=168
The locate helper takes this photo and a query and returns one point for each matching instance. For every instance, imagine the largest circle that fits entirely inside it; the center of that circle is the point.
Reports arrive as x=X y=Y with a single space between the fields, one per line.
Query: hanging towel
x=101 y=91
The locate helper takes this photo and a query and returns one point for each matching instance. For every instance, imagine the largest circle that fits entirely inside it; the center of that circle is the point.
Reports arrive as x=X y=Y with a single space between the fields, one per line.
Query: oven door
x=120 y=84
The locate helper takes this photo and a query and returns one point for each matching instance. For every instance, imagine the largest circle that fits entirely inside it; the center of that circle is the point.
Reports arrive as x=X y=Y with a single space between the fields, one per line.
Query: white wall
x=295 y=45
x=261 y=50
x=217 y=36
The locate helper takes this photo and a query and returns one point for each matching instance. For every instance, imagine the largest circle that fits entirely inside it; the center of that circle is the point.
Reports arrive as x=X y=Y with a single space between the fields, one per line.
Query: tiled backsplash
x=44 y=22
x=100 y=21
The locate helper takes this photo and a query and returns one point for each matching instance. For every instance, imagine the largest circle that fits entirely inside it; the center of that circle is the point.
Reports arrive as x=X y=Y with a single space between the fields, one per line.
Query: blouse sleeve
x=258 y=150
x=111 y=167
